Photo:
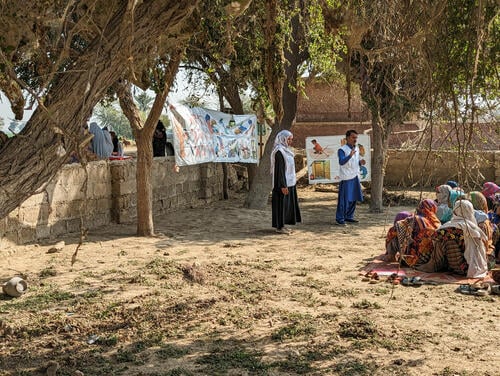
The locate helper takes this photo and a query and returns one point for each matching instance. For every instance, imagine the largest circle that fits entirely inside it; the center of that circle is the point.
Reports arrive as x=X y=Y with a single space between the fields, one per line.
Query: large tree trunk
x=143 y=137
x=54 y=130
x=144 y=184
x=143 y=175
x=261 y=182
x=261 y=185
x=380 y=145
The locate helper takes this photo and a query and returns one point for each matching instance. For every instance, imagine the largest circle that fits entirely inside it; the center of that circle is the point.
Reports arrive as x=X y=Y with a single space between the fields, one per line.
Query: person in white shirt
x=350 y=185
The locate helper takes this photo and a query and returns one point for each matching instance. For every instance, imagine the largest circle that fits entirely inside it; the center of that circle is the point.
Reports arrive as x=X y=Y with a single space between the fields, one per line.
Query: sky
x=181 y=90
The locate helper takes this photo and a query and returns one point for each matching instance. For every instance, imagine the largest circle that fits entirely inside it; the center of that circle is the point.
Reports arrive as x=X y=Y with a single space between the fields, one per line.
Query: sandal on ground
x=367 y=276
x=375 y=278
x=482 y=289
x=406 y=281
x=394 y=279
x=416 y=281
x=371 y=277
x=467 y=289
x=495 y=289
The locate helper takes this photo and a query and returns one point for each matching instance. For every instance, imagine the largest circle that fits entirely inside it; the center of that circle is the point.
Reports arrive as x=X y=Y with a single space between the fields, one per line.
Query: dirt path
x=220 y=293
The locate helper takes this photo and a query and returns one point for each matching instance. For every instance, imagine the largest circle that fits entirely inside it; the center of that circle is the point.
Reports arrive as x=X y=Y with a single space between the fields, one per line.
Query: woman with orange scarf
x=415 y=234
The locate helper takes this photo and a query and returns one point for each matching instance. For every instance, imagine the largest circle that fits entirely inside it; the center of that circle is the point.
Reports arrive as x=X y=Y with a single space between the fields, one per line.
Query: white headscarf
x=474 y=238
x=443 y=194
x=280 y=144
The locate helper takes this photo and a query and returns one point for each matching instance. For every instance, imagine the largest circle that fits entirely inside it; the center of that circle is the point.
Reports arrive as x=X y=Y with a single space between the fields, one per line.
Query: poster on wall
x=202 y=135
x=323 y=162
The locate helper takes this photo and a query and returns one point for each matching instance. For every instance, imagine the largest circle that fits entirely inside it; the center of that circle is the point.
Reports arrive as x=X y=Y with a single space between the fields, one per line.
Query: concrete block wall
x=110 y=197
x=192 y=186
x=56 y=209
x=111 y=191
x=405 y=168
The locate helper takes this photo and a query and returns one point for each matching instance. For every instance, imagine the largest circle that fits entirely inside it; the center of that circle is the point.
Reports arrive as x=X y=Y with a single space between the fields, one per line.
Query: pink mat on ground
x=382 y=268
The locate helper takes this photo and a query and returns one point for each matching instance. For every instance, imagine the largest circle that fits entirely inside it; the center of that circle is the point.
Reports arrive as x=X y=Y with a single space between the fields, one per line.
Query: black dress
x=285 y=207
x=159 y=143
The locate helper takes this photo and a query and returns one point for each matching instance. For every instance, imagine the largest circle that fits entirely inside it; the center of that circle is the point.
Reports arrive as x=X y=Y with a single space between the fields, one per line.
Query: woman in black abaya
x=285 y=205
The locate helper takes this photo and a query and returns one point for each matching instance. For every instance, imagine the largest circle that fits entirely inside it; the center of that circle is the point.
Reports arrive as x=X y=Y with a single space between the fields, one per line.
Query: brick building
x=323 y=110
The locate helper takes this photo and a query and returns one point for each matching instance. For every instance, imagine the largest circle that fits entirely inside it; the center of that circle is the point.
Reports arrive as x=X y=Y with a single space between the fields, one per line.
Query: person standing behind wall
x=99 y=142
x=350 y=186
x=159 y=140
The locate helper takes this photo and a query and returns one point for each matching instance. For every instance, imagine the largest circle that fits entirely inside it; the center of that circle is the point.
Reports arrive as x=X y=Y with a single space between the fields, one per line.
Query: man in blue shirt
x=350 y=186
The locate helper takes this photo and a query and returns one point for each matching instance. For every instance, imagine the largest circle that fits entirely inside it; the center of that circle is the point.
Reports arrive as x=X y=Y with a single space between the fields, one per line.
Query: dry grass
x=237 y=299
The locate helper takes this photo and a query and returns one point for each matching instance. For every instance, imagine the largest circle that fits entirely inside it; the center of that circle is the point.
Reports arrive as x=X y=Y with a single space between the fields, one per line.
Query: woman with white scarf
x=285 y=205
x=460 y=245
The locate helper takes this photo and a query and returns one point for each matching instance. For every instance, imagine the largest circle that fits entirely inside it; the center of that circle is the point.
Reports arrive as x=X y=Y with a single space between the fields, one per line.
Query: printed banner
x=323 y=161
x=202 y=135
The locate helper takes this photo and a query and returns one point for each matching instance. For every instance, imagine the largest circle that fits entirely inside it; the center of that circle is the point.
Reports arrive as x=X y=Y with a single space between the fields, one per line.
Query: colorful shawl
x=474 y=238
x=489 y=190
x=478 y=201
x=415 y=232
x=392 y=233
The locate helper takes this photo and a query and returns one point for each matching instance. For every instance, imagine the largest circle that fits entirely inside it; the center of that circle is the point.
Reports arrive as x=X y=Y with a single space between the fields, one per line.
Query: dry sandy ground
x=219 y=293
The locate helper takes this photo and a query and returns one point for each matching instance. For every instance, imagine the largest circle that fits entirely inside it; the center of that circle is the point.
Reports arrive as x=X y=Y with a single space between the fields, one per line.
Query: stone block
x=73 y=225
x=66 y=191
x=29 y=216
x=27 y=234
x=101 y=189
x=99 y=220
x=43 y=214
x=104 y=205
x=98 y=171
x=170 y=191
x=127 y=187
x=69 y=209
x=182 y=200
x=125 y=216
x=12 y=236
x=205 y=193
x=36 y=200
x=42 y=232
x=58 y=228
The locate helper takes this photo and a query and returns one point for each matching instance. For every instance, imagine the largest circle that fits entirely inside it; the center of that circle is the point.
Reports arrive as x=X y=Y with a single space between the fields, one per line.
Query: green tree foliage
x=144 y=101
x=113 y=118
x=418 y=55
x=463 y=55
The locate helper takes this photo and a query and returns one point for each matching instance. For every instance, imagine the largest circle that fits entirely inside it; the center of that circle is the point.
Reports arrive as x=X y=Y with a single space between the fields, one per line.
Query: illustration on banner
x=323 y=162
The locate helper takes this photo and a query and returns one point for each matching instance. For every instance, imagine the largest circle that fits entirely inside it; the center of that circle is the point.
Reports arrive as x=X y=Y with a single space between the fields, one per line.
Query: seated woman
x=494 y=217
x=459 y=245
x=414 y=234
x=489 y=191
x=490 y=230
x=444 y=211
x=391 y=240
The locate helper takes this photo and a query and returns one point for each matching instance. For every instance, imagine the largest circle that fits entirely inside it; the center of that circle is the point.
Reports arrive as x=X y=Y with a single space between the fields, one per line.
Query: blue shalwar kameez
x=349 y=192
